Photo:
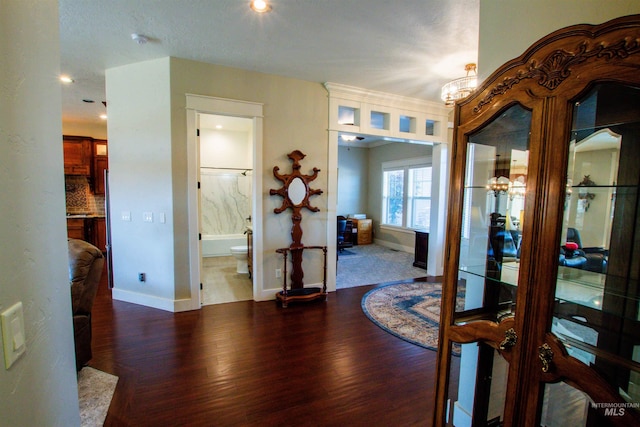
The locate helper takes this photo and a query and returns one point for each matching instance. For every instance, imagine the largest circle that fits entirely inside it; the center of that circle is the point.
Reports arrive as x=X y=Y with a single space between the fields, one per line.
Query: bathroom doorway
x=199 y=109
x=225 y=208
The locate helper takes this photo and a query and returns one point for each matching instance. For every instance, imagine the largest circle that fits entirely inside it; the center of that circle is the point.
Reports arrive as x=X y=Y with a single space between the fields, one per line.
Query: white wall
x=141 y=180
x=594 y=224
x=225 y=148
x=149 y=168
x=353 y=185
x=295 y=118
x=40 y=388
x=508 y=28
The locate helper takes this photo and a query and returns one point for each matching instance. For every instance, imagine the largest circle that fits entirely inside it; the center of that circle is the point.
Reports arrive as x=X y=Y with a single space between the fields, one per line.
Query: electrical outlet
x=142 y=277
x=278 y=273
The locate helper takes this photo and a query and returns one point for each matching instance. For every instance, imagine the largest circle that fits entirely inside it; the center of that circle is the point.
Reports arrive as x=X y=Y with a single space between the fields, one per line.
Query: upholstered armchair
x=85 y=269
x=595 y=259
x=504 y=244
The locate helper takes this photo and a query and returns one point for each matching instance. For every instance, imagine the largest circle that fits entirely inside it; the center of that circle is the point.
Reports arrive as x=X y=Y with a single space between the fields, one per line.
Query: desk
x=362 y=231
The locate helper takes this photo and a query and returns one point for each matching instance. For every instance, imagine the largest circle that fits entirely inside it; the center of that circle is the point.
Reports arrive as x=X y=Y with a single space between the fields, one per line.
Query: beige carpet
x=95 y=390
x=373 y=264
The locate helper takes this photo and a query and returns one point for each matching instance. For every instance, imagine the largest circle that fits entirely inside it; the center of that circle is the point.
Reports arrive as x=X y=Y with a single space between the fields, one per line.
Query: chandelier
x=498 y=185
x=461 y=87
x=502 y=185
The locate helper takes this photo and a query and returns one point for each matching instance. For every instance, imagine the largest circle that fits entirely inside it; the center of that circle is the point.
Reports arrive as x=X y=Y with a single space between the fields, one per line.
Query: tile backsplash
x=80 y=199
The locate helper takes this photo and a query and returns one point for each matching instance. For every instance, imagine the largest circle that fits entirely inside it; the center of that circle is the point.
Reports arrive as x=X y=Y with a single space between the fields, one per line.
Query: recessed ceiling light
x=218 y=126
x=66 y=79
x=103 y=116
x=260 y=6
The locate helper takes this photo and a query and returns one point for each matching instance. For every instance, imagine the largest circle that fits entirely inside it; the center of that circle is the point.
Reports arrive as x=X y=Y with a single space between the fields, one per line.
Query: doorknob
x=510 y=339
x=546 y=356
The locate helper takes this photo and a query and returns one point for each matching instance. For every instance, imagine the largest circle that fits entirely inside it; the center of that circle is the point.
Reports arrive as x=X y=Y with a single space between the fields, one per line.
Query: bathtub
x=220 y=245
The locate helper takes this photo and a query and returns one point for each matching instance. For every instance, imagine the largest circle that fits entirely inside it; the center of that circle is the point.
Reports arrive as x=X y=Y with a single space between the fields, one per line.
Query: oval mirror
x=297 y=191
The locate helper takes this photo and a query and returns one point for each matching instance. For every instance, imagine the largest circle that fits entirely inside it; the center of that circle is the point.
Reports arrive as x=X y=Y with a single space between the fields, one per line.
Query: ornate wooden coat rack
x=295 y=192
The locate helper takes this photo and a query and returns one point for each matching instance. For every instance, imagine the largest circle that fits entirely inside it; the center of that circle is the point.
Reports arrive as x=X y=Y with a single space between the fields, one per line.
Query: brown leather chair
x=85 y=269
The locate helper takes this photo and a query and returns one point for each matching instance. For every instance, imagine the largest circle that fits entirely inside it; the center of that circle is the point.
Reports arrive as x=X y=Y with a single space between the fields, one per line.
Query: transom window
x=406 y=193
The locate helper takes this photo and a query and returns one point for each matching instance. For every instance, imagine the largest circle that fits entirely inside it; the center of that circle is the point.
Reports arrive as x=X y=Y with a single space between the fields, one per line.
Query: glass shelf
x=578 y=131
x=585 y=288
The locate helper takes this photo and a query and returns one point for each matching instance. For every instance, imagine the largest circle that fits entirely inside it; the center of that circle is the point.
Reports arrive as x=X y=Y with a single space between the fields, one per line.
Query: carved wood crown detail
x=557 y=66
x=287 y=179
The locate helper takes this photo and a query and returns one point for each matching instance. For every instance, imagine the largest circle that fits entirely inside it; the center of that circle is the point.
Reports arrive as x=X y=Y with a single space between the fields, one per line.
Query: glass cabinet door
x=491 y=236
x=596 y=313
x=492 y=216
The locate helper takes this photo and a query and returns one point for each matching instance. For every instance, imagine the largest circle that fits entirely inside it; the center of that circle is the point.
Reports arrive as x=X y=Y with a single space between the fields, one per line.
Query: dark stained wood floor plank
x=257 y=364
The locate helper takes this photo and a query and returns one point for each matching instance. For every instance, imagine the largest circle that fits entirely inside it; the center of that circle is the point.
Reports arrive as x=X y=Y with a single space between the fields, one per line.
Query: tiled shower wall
x=225 y=201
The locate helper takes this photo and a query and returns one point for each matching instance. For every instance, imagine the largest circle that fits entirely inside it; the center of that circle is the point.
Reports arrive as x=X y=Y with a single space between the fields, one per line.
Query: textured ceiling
x=406 y=47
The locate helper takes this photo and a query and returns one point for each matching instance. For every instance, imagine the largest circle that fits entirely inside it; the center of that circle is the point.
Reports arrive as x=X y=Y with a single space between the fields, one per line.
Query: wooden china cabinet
x=540 y=310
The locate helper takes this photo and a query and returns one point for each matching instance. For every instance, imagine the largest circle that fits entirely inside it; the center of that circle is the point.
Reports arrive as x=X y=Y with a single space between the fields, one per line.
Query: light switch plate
x=13 y=338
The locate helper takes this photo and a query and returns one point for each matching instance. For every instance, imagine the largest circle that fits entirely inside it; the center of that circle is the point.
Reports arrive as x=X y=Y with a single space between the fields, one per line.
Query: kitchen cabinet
x=77 y=155
x=90 y=229
x=86 y=156
x=100 y=164
x=99 y=238
x=76 y=228
x=539 y=321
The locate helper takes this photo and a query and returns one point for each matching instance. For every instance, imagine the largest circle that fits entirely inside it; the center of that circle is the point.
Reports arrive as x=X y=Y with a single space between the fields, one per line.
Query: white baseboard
x=146 y=300
x=180 y=305
x=394 y=246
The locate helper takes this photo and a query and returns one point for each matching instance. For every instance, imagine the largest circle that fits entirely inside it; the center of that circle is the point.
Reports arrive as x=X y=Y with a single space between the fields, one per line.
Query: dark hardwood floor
x=256 y=364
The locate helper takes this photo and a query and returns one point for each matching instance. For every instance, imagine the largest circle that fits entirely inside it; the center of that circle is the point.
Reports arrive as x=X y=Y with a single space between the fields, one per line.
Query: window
x=348 y=116
x=407 y=124
x=430 y=127
x=406 y=194
x=393 y=197
x=379 y=120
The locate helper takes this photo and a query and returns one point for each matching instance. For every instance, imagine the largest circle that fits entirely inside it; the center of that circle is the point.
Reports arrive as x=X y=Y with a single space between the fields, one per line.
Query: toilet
x=240 y=254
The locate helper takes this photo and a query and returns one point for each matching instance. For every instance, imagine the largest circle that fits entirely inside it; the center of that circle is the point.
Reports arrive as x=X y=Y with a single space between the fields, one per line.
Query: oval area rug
x=410 y=311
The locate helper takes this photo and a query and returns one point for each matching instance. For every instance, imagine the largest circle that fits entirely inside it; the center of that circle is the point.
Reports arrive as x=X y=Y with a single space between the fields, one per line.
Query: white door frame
x=199 y=104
